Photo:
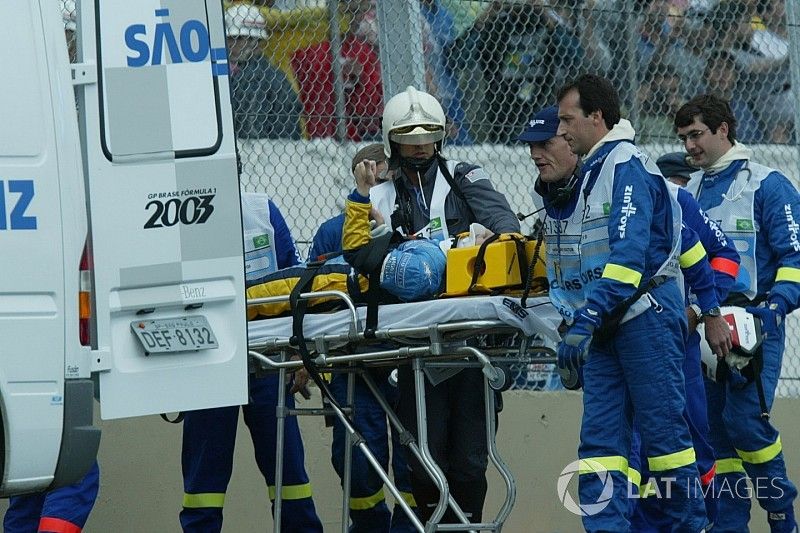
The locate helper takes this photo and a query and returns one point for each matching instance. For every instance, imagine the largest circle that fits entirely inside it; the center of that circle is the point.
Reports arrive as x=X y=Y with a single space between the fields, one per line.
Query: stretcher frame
x=433 y=346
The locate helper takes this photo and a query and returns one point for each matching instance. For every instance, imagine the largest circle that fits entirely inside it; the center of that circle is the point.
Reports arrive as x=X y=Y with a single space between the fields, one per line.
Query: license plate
x=180 y=334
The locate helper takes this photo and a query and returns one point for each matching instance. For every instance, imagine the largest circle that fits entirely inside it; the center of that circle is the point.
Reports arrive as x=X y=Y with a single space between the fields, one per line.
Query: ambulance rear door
x=42 y=232
x=164 y=207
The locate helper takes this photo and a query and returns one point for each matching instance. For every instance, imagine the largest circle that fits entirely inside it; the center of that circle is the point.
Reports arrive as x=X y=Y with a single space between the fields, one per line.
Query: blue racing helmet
x=414 y=270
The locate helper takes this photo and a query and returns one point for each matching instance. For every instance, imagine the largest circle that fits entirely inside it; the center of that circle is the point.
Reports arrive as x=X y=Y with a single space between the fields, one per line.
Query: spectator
x=688 y=49
x=654 y=34
x=524 y=50
x=722 y=76
x=265 y=106
x=361 y=75
x=761 y=75
x=438 y=34
x=659 y=98
x=463 y=13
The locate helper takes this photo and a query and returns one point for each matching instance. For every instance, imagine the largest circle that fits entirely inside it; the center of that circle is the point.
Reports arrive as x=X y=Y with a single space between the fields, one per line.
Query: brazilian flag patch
x=261 y=241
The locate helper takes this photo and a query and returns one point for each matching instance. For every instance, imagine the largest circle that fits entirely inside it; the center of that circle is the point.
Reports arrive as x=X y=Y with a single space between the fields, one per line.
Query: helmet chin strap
x=416 y=164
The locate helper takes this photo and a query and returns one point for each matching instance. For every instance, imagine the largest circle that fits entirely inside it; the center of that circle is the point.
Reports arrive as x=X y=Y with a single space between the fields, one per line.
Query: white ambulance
x=121 y=269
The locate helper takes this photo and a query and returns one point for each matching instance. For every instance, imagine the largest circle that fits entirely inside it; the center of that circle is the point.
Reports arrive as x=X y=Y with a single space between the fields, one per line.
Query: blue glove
x=574 y=348
x=771 y=315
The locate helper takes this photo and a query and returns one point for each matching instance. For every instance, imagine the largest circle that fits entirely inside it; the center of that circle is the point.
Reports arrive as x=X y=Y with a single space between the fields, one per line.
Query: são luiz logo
x=584 y=466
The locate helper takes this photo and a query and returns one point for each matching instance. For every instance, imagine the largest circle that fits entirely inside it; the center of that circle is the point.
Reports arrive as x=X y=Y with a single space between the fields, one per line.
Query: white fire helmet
x=745 y=336
x=68 y=14
x=242 y=20
x=412 y=117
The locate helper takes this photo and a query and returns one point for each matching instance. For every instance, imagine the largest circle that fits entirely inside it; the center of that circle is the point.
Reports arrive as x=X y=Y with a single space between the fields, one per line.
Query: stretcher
x=430 y=336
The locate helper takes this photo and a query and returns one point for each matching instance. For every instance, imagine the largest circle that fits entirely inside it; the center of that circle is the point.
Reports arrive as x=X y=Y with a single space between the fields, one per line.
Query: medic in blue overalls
x=706 y=285
x=369 y=512
x=209 y=435
x=61 y=510
x=618 y=262
x=756 y=207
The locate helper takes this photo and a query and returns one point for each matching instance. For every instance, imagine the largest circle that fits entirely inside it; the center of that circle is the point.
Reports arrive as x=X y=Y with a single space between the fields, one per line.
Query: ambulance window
x=21 y=134
x=158 y=83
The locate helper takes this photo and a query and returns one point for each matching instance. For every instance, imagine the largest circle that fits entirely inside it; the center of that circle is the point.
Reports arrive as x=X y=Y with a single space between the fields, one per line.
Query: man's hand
x=692 y=318
x=375 y=215
x=718 y=335
x=366 y=176
x=771 y=315
x=482 y=236
x=574 y=348
x=300 y=381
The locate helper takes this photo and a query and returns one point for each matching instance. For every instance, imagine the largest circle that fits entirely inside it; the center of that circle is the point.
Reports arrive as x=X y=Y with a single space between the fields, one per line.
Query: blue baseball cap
x=542 y=126
x=675 y=164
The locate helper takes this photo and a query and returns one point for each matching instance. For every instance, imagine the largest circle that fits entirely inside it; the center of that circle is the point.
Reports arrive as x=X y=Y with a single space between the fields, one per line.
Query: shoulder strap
x=401 y=217
x=531 y=261
x=368 y=260
x=453 y=185
x=480 y=260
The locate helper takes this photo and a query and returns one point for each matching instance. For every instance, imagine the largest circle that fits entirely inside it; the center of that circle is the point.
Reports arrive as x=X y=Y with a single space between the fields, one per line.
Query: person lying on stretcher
x=411 y=270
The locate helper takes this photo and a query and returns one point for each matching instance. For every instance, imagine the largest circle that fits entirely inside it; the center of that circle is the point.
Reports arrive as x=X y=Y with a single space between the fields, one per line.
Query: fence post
x=400 y=38
x=793 y=31
x=632 y=28
x=336 y=63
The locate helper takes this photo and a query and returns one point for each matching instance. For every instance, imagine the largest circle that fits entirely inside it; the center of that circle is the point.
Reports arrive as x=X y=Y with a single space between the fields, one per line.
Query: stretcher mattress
x=539 y=317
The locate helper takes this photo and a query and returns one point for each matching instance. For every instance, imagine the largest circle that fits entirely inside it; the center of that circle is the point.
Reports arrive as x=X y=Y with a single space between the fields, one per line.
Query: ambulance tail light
x=85 y=297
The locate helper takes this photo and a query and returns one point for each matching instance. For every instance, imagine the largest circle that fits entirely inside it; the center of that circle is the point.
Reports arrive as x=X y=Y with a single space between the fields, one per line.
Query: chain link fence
x=309 y=78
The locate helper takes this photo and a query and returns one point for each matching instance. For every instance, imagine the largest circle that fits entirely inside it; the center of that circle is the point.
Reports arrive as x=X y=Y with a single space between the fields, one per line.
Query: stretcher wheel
x=502 y=380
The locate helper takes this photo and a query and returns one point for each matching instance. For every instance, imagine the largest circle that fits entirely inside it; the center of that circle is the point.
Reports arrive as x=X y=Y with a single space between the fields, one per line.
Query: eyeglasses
x=693 y=135
x=408 y=129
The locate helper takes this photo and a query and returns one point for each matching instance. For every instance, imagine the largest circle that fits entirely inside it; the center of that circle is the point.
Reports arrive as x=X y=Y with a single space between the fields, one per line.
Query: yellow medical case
x=501 y=266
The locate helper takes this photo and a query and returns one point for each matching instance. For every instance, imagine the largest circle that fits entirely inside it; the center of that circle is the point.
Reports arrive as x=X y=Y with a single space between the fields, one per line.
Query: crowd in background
x=492 y=63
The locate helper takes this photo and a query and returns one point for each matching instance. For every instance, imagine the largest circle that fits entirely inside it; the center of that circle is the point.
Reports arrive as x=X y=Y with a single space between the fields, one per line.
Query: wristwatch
x=714 y=311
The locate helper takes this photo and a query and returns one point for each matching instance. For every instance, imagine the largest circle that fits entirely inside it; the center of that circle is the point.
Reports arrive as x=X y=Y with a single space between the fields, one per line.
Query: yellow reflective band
x=788 y=274
x=672 y=460
x=635 y=477
x=408 y=498
x=622 y=274
x=367 y=502
x=648 y=489
x=729 y=466
x=292 y=492
x=205 y=499
x=692 y=256
x=592 y=465
x=763 y=455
